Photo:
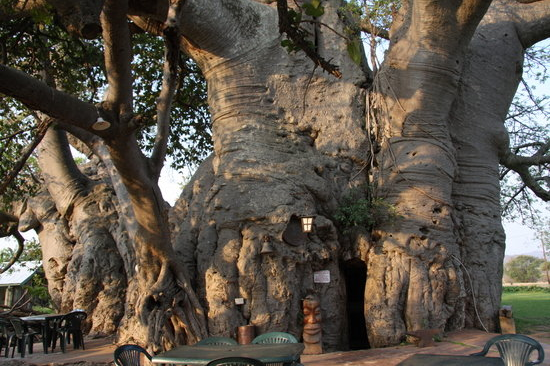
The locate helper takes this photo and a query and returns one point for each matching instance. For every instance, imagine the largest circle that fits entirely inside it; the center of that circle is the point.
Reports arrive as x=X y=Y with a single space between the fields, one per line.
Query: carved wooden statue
x=312 y=326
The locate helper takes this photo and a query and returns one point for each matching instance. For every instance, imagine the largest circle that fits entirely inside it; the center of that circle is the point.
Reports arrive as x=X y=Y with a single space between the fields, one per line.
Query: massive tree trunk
x=491 y=74
x=414 y=280
x=79 y=229
x=291 y=140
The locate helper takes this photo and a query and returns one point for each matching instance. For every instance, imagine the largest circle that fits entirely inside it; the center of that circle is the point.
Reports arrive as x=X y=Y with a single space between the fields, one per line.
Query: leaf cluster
x=314 y=8
x=39 y=44
x=191 y=132
x=36 y=45
x=31 y=252
x=39 y=290
x=360 y=208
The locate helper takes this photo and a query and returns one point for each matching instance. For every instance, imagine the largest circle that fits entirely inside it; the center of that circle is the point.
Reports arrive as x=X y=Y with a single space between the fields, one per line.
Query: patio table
x=450 y=360
x=200 y=355
x=47 y=326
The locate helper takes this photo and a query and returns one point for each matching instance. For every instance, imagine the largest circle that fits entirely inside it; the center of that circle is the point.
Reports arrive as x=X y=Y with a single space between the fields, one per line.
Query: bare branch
x=10 y=222
x=368 y=27
x=513 y=198
x=521 y=164
x=24 y=155
x=18 y=304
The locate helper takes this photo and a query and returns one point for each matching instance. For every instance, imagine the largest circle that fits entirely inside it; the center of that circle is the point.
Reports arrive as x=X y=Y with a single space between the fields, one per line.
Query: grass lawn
x=531 y=310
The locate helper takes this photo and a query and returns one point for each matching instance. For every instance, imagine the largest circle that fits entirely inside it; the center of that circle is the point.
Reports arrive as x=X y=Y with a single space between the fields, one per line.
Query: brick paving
x=100 y=352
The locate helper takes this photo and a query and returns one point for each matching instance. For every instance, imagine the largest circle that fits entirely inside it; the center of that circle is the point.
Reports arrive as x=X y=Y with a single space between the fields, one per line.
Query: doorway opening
x=355 y=272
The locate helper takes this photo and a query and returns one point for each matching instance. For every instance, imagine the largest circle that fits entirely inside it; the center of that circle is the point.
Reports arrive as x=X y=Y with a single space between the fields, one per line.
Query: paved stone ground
x=100 y=352
x=462 y=342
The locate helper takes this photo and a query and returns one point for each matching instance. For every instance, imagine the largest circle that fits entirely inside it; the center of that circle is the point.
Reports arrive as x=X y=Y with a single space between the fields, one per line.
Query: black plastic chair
x=5 y=331
x=514 y=349
x=130 y=355
x=235 y=361
x=21 y=337
x=217 y=340
x=70 y=325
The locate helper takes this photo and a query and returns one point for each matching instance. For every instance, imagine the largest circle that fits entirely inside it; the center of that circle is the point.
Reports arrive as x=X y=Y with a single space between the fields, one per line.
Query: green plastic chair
x=217 y=340
x=275 y=337
x=235 y=361
x=130 y=355
x=514 y=349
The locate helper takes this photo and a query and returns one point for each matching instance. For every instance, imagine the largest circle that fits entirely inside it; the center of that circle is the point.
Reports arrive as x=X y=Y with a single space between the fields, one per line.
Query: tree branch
x=513 y=198
x=118 y=58
x=169 y=84
x=532 y=20
x=10 y=222
x=521 y=164
x=25 y=154
x=367 y=27
x=37 y=95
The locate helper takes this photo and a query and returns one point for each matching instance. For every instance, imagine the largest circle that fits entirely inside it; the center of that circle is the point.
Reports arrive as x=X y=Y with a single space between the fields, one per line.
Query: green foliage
x=521 y=289
x=31 y=252
x=190 y=136
x=77 y=68
x=42 y=310
x=314 y=8
x=361 y=209
x=39 y=290
x=38 y=42
x=531 y=310
x=354 y=51
x=524 y=268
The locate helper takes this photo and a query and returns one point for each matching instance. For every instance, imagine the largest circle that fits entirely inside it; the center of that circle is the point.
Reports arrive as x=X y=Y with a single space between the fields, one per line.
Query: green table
x=450 y=360
x=200 y=355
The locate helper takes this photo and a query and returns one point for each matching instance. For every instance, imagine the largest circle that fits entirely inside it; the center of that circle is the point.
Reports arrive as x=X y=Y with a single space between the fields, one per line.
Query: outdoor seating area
x=270 y=349
x=20 y=333
x=455 y=348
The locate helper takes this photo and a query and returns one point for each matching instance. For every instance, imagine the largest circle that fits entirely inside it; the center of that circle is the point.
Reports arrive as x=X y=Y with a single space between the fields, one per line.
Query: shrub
x=531 y=288
x=361 y=209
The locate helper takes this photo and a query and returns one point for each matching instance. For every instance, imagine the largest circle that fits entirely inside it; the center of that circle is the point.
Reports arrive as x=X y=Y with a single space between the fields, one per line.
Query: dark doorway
x=355 y=272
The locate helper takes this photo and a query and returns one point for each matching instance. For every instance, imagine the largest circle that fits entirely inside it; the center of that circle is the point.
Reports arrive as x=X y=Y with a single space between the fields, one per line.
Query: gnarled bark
x=275 y=120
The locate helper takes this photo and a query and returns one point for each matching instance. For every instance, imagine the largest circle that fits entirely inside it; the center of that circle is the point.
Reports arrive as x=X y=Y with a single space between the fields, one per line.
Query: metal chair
x=70 y=324
x=217 y=340
x=130 y=355
x=275 y=337
x=514 y=349
x=235 y=361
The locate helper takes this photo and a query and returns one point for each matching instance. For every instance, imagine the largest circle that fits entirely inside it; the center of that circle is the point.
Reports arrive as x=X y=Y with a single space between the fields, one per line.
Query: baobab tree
x=296 y=133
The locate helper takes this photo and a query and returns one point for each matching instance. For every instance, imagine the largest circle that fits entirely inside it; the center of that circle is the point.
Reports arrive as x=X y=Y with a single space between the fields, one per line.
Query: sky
x=521 y=240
